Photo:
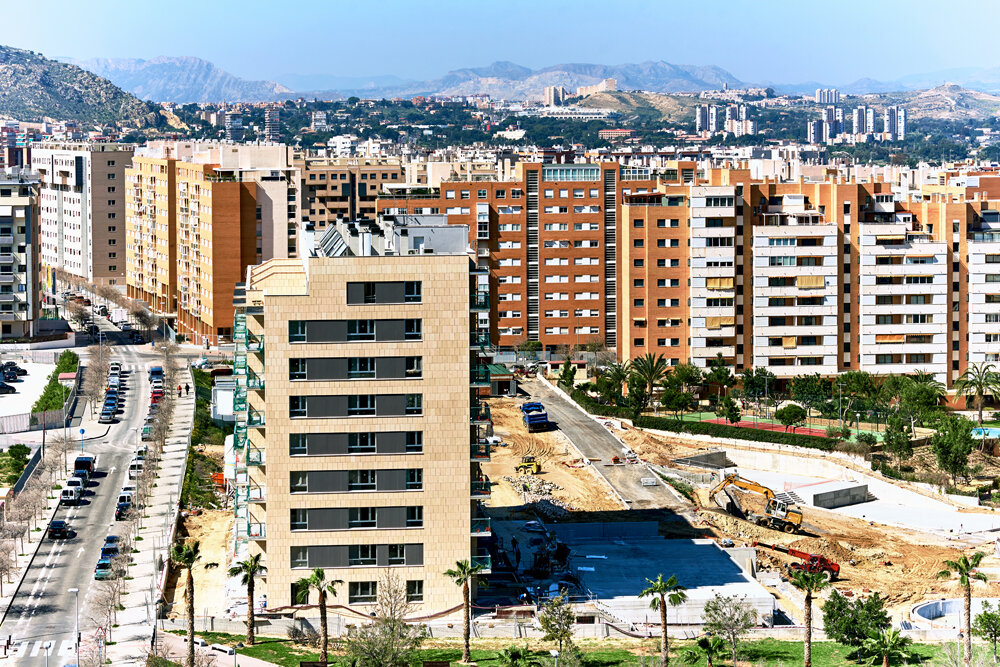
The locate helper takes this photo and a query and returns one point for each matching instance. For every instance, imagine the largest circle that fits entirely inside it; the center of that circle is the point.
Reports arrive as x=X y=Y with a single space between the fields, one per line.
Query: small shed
x=502 y=382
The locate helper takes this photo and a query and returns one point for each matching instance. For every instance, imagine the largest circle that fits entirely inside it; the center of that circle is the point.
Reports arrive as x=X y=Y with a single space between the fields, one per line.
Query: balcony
x=8 y=298
x=7 y=278
x=240 y=365
x=484 y=561
x=7 y=258
x=254 y=381
x=481 y=527
x=479 y=302
x=480 y=413
x=256 y=494
x=481 y=488
x=479 y=376
x=479 y=451
x=255 y=419
x=254 y=343
x=256 y=457
x=6 y=239
x=239 y=401
x=481 y=341
x=257 y=531
x=240 y=435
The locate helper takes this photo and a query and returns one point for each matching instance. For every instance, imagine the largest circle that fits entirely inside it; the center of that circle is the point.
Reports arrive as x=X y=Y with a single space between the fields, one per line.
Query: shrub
x=856 y=448
x=726 y=431
x=54 y=394
x=866 y=438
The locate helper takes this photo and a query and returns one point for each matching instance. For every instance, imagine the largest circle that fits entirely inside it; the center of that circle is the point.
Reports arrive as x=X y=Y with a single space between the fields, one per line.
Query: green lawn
x=762 y=652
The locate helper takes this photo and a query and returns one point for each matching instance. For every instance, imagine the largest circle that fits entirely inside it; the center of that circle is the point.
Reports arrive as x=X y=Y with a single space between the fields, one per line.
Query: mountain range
x=33 y=87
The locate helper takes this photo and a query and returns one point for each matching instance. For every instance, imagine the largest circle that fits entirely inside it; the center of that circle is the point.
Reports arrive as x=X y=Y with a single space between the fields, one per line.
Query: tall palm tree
x=976 y=382
x=248 y=570
x=318 y=582
x=809 y=583
x=710 y=647
x=927 y=379
x=185 y=556
x=889 y=644
x=650 y=369
x=664 y=593
x=462 y=574
x=617 y=374
x=965 y=568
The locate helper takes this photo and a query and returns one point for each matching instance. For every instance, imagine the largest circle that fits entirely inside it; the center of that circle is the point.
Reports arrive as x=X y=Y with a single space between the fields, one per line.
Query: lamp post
x=857 y=424
x=46 y=646
x=76 y=637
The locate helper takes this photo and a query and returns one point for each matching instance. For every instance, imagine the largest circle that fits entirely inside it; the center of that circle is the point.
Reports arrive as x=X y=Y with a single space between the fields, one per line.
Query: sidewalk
x=135 y=632
x=177 y=647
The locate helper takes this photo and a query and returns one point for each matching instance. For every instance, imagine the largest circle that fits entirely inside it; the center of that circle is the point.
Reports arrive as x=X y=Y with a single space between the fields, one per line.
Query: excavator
x=777 y=514
x=810 y=562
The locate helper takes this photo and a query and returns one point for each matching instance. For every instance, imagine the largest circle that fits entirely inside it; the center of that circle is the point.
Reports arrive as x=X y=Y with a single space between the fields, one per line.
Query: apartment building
x=81 y=226
x=197 y=214
x=343 y=189
x=359 y=438
x=20 y=298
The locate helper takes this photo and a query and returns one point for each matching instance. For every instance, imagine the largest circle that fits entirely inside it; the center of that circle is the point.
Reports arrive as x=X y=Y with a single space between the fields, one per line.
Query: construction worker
x=178 y=391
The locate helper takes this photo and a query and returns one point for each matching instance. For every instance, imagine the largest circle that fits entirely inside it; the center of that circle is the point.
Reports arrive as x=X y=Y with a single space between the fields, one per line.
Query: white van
x=70 y=496
x=125 y=498
x=134 y=468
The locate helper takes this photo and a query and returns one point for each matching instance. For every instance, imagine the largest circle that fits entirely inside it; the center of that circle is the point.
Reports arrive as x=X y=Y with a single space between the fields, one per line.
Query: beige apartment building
x=198 y=214
x=81 y=225
x=341 y=189
x=359 y=436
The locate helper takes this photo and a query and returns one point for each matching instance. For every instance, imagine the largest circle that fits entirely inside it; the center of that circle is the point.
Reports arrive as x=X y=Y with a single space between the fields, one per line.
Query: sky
x=777 y=41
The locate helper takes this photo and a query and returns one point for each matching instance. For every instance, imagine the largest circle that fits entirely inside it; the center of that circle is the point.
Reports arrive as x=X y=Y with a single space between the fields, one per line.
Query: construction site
x=599 y=512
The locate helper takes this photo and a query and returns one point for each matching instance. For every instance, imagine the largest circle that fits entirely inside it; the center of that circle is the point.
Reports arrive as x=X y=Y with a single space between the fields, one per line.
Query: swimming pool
x=986 y=432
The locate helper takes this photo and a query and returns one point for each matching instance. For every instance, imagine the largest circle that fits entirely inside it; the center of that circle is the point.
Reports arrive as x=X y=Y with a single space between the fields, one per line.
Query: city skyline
x=791 y=59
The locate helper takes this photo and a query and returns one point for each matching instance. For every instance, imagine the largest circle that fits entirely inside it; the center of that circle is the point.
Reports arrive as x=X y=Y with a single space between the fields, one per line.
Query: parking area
x=29 y=387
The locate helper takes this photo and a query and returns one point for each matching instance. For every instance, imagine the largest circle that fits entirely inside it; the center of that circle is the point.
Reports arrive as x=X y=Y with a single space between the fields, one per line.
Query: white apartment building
x=795 y=291
x=984 y=290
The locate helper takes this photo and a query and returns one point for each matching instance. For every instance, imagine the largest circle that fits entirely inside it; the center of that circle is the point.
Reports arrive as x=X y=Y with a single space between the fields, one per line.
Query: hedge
x=587 y=402
x=54 y=394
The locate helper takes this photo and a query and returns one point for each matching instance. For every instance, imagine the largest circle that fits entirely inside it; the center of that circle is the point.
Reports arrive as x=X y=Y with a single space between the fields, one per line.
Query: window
x=411 y=291
x=638 y=243
x=299 y=557
x=296 y=331
x=481 y=194
x=298 y=482
x=414 y=590
x=297 y=406
x=515 y=194
x=296 y=369
x=639 y=342
x=298 y=444
x=414 y=367
x=414 y=479
x=637 y=223
x=363 y=517
x=464 y=194
x=711 y=242
x=362 y=592
x=781 y=242
x=299 y=519
x=360 y=443
x=360 y=405
x=361 y=554
x=781 y=261
x=414 y=442
x=361 y=480
x=414 y=516
x=360 y=330
x=412 y=330
x=414 y=404
x=360 y=367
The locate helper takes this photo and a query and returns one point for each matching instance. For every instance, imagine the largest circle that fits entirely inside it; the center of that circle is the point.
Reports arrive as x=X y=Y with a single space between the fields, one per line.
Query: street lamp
x=46 y=646
x=555 y=654
x=76 y=639
x=236 y=648
x=857 y=416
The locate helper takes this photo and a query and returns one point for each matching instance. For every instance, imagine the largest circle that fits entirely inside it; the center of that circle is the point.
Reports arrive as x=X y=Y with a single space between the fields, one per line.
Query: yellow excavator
x=529 y=465
x=777 y=514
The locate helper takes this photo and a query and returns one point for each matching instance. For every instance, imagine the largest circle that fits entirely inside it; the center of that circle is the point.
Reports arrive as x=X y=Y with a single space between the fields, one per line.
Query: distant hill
x=182 y=80
x=34 y=87
x=949 y=102
x=646 y=106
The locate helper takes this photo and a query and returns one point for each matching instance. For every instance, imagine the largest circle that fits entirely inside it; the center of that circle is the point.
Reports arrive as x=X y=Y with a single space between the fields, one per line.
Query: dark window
x=412 y=330
x=414 y=404
x=414 y=516
x=361 y=517
x=297 y=406
x=360 y=367
x=361 y=554
x=397 y=554
x=361 y=443
x=296 y=369
x=299 y=519
x=296 y=331
x=361 y=480
x=360 y=330
x=415 y=590
x=363 y=404
x=412 y=291
x=414 y=367
x=362 y=592
x=414 y=442
x=414 y=479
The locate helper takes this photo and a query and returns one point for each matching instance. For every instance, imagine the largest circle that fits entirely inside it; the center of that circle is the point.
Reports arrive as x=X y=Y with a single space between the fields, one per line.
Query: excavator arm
x=745 y=484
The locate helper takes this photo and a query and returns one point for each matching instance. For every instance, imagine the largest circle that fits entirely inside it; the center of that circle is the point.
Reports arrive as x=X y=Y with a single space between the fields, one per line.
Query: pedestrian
x=187 y=389
x=178 y=391
x=513 y=543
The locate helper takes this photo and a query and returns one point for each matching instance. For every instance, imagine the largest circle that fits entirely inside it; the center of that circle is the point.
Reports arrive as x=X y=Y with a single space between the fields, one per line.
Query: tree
x=616 y=376
x=978 y=381
x=965 y=568
x=851 y=621
x=514 y=656
x=388 y=641
x=896 y=438
x=809 y=583
x=986 y=625
x=637 y=398
x=728 y=410
x=887 y=644
x=462 y=574
x=952 y=444
x=567 y=373
x=688 y=376
x=711 y=648
x=557 y=619
x=673 y=400
x=664 y=593
x=650 y=369
x=791 y=415
x=812 y=391
x=248 y=570
x=184 y=556
x=719 y=373
x=318 y=582
x=730 y=618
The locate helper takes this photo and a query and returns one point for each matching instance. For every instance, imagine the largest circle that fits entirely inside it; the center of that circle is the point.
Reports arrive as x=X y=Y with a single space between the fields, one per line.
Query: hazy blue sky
x=757 y=40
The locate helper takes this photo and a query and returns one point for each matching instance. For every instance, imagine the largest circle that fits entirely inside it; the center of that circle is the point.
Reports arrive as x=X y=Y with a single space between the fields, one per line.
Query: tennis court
x=765 y=426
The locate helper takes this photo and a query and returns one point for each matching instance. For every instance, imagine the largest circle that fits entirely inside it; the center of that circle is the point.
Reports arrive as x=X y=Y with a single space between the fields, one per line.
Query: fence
x=26 y=473
x=36 y=421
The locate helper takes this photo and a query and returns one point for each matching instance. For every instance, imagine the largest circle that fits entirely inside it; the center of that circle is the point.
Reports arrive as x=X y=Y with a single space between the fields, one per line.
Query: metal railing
x=480 y=413
x=479 y=301
x=480 y=526
x=479 y=376
x=480 y=488
x=255 y=418
x=479 y=451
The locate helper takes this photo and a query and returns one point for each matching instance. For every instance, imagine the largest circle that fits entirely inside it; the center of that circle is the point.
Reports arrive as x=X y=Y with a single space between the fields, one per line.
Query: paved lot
x=28 y=389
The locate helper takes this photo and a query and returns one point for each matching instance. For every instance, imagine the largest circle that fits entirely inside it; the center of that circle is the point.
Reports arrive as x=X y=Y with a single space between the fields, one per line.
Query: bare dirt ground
x=212 y=529
x=578 y=487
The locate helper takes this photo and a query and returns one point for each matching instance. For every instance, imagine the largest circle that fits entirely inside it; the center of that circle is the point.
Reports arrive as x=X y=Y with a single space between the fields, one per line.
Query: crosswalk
x=64 y=649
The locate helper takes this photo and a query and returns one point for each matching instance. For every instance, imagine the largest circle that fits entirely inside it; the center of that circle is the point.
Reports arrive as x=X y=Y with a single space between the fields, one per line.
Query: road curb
x=27 y=567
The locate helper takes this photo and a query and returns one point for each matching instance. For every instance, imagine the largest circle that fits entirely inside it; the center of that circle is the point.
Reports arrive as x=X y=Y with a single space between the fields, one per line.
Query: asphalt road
x=595 y=442
x=43 y=610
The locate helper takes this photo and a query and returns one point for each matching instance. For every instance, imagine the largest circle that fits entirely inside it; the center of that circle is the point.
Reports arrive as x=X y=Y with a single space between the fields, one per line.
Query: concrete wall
x=833 y=498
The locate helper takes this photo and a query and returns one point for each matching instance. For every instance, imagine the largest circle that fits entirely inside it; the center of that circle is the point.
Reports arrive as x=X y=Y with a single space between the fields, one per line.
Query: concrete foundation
x=831 y=495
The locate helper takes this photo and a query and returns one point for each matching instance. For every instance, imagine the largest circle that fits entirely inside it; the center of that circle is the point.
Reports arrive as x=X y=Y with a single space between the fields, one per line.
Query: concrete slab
x=833 y=494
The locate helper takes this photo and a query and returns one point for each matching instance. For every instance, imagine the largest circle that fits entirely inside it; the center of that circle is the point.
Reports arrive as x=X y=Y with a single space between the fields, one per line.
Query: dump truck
x=529 y=465
x=810 y=562
x=777 y=514
x=535 y=417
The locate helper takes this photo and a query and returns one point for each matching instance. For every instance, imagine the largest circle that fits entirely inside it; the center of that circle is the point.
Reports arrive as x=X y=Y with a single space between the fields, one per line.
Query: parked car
x=7 y=389
x=76 y=483
x=109 y=551
x=70 y=496
x=12 y=366
x=115 y=367
x=58 y=529
x=104 y=570
x=106 y=417
x=111 y=539
x=122 y=510
x=11 y=376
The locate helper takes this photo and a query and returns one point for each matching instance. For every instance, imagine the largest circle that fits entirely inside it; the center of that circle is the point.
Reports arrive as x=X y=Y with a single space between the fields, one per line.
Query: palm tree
x=664 y=593
x=889 y=644
x=185 y=556
x=927 y=379
x=617 y=374
x=462 y=574
x=317 y=581
x=809 y=583
x=513 y=656
x=710 y=647
x=650 y=369
x=965 y=568
x=248 y=570
x=977 y=381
